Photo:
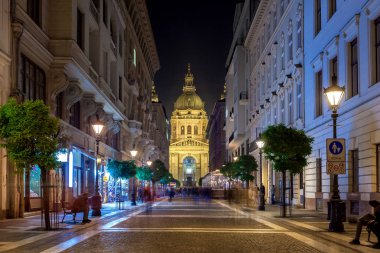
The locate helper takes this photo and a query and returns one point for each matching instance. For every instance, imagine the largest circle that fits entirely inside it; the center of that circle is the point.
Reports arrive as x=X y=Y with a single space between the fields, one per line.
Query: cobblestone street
x=187 y=225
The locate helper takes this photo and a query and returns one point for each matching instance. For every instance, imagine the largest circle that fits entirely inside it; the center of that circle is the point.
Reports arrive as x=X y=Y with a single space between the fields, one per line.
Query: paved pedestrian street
x=188 y=225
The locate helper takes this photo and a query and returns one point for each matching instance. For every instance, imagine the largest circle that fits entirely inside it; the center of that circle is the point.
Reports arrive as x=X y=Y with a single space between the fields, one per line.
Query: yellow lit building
x=189 y=149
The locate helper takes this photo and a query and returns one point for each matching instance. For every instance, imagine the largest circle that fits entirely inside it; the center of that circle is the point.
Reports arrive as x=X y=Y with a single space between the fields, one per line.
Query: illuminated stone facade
x=189 y=148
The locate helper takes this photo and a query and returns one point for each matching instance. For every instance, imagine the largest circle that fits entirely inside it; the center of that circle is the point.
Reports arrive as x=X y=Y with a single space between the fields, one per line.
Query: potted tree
x=287 y=148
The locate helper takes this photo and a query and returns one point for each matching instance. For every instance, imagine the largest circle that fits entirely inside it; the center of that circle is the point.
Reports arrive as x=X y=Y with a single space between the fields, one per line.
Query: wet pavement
x=185 y=225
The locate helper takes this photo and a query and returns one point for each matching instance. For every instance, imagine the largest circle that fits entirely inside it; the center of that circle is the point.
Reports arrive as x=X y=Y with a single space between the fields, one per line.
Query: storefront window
x=35 y=182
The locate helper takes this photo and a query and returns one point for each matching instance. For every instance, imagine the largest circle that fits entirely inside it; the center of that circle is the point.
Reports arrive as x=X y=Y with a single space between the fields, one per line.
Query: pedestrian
x=171 y=194
x=365 y=220
x=81 y=205
x=273 y=195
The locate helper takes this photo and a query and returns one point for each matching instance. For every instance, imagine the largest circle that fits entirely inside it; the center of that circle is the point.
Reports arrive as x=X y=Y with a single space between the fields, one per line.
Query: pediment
x=189 y=142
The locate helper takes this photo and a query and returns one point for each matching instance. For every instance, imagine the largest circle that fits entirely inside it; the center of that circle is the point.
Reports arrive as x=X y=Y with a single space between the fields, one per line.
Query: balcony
x=243 y=98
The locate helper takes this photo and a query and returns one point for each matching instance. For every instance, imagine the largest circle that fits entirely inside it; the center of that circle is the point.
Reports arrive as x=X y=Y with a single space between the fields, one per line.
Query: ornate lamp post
x=260 y=144
x=334 y=94
x=133 y=199
x=97 y=199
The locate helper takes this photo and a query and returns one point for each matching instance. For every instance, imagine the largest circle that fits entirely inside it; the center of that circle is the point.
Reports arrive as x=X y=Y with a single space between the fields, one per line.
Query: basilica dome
x=189 y=99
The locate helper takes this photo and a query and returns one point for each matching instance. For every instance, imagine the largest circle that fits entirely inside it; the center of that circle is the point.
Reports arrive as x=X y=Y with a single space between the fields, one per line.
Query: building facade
x=275 y=44
x=189 y=148
x=88 y=60
x=216 y=134
x=5 y=89
x=159 y=130
x=342 y=39
x=237 y=81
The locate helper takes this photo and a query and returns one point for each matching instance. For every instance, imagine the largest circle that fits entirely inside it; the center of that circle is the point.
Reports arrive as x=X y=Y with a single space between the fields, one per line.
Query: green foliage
x=30 y=134
x=144 y=173
x=229 y=171
x=244 y=167
x=122 y=169
x=114 y=168
x=287 y=148
x=158 y=170
x=128 y=169
x=167 y=178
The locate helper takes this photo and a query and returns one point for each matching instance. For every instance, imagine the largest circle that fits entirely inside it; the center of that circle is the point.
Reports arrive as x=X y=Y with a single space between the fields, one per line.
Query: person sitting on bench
x=364 y=220
x=81 y=205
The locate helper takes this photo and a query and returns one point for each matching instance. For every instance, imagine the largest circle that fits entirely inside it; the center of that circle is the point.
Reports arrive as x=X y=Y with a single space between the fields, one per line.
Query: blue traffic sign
x=336 y=147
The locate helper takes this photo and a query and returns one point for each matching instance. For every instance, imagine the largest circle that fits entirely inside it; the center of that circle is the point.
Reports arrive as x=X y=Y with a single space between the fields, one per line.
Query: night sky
x=198 y=32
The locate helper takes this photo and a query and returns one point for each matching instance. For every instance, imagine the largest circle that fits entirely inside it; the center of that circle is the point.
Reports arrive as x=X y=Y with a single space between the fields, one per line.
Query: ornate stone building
x=88 y=60
x=189 y=148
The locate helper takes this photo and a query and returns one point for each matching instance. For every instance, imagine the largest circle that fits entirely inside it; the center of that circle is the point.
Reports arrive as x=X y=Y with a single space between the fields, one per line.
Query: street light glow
x=260 y=143
x=334 y=94
x=98 y=127
x=134 y=152
x=149 y=162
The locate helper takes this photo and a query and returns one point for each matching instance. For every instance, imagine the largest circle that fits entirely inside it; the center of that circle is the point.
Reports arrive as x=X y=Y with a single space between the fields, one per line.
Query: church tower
x=189 y=149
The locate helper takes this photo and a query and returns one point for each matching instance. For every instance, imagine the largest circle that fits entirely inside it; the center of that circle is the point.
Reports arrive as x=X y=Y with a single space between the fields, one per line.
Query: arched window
x=182 y=130
x=195 y=130
x=188 y=129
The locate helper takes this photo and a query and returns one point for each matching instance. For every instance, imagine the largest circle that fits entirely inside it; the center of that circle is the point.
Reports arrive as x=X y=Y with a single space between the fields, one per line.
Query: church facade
x=189 y=148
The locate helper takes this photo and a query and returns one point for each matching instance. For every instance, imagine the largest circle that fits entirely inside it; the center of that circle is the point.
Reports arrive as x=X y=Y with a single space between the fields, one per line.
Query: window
x=115 y=141
x=121 y=45
x=182 y=130
x=59 y=105
x=282 y=58
x=354 y=80
x=274 y=67
x=318 y=174
x=299 y=33
x=290 y=44
x=318 y=94
x=105 y=67
x=377 y=49
x=282 y=7
x=290 y=105
x=33 y=80
x=75 y=115
x=299 y=100
x=274 y=19
x=34 y=11
x=195 y=130
x=332 y=7
x=105 y=13
x=275 y=115
x=134 y=57
x=269 y=83
x=282 y=110
x=318 y=21
x=355 y=169
x=120 y=88
x=188 y=129
x=80 y=30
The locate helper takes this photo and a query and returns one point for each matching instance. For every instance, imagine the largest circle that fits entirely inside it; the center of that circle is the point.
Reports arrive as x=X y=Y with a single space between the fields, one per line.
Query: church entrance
x=189 y=168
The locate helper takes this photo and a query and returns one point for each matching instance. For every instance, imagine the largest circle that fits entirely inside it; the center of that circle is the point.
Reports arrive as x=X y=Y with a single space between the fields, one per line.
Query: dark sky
x=198 y=32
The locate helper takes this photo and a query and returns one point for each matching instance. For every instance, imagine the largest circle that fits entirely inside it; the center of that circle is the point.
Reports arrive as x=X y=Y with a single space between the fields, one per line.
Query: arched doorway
x=189 y=169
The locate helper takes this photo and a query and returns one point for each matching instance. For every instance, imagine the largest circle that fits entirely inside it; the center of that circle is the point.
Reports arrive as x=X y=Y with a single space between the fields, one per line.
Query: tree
x=288 y=149
x=229 y=170
x=244 y=167
x=30 y=136
x=114 y=167
x=144 y=173
x=158 y=172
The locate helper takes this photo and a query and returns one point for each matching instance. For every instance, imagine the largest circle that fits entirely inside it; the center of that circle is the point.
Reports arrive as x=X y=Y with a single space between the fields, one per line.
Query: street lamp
x=133 y=200
x=260 y=144
x=334 y=94
x=96 y=201
x=149 y=162
x=235 y=158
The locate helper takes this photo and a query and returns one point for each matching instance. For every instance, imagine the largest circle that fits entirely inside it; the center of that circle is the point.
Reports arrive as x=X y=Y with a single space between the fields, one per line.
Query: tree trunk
x=27 y=190
x=283 y=193
x=21 y=190
x=46 y=197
